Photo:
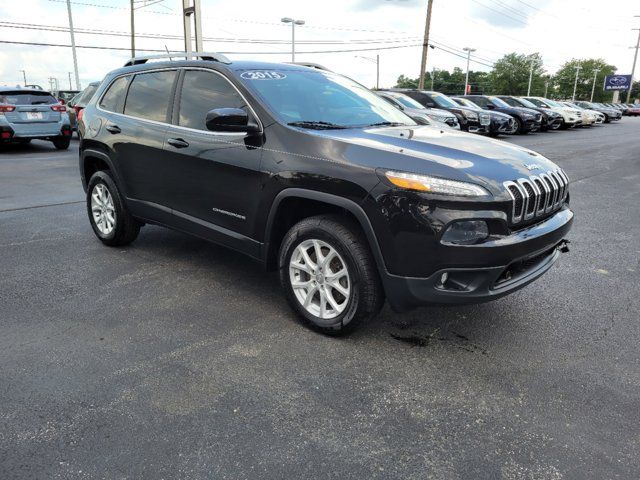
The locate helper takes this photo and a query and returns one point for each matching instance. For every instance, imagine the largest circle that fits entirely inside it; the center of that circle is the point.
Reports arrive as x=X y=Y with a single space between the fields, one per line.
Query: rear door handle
x=178 y=143
x=113 y=128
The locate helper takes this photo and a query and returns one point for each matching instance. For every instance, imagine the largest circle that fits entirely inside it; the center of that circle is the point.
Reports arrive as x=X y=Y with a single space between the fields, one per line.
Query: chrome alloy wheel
x=102 y=209
x=320 y=279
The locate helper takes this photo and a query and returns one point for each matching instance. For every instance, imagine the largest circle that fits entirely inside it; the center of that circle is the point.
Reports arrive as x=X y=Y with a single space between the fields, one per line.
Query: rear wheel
x=61 y=143
x=110 y=219
x=329 y=275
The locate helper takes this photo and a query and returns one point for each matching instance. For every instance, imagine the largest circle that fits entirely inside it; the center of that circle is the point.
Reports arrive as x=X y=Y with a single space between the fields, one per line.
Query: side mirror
x=490 y=106
x=229 y=120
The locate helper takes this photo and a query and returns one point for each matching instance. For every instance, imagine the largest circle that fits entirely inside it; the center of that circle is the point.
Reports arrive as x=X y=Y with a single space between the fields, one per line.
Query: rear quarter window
x=113 y=99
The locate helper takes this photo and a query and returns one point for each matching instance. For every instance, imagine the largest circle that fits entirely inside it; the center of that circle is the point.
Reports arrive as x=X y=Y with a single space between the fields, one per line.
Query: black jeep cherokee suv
x=527 y=120
x=316 y=176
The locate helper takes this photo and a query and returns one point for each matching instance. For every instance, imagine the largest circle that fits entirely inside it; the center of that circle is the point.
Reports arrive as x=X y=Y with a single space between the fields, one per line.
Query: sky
x=250 y=29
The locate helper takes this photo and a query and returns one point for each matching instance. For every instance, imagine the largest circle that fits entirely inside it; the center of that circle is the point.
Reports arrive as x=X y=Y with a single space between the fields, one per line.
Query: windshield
x=442 y=100
x=467 y=103
x=512 y=101
x=498 y=102
x=407 y=101
x=554 y=103
x=24 y=98
x=321 y=99
x=526 y=103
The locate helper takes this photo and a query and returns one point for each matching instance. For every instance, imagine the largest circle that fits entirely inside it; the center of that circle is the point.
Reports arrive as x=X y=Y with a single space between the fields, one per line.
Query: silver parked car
x=417 y=111
x=28 y=113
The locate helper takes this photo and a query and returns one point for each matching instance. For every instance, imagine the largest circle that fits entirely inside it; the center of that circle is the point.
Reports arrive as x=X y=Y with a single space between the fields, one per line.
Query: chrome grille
x=537 y=195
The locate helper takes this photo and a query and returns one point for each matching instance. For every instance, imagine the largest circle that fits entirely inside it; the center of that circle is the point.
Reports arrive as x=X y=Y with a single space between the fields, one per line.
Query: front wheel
x=329 y=275
x=110 y=219
x=519 y=127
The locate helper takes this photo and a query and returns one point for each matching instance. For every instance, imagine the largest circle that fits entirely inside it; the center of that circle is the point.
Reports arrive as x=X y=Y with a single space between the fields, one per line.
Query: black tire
x=366 y=295
x=62 y=143
x=126 y=227
x=606 y=118
x=519 y=127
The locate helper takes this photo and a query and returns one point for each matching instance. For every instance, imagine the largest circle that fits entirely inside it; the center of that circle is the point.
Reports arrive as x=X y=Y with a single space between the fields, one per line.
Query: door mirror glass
x=229 y=120
x=491 y=106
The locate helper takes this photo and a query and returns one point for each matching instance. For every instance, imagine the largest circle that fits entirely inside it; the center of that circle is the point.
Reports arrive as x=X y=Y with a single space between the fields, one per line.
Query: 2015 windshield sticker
x=262 y=75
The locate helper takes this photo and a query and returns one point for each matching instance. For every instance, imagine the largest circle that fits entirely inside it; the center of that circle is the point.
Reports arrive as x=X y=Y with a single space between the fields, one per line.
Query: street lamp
x=293 y=34
x=593 y=87
x=377 y=62
x=466 y=80
x=575 y=85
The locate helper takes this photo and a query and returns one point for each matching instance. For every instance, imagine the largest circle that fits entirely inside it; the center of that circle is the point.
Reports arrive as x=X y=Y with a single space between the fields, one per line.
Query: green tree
x=564 y=79
x=451 y=83
x=510 y=75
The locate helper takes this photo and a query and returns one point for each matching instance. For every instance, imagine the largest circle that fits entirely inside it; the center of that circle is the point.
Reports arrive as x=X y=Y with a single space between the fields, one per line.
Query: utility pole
x=575 y=85
x=70 y=86
x=530 y=78
x=466 y=80
x=425 y=45
x=24 y=77
x=73 y=45
x=377 y=62
x=192 y=10
x=635 y=58
x=546 y=88
x=593 y=87
x=133 y=31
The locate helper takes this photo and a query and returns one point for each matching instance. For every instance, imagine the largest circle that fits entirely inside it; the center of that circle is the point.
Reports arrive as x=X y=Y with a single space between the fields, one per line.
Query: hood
x=519 y=110
x=497 y=115
x=445 y=153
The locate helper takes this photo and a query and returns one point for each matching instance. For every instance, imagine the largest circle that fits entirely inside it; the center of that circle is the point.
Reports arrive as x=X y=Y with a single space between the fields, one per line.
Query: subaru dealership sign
x=617 y=82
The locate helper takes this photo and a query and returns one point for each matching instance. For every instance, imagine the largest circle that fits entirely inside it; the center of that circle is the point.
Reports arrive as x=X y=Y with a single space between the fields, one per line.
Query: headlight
x=466 y=232
x=470 y=115
x=425 y=183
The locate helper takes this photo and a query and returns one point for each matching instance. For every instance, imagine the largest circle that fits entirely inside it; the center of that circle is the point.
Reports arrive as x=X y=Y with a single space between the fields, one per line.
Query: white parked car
x=571 y=117
x=589 y=115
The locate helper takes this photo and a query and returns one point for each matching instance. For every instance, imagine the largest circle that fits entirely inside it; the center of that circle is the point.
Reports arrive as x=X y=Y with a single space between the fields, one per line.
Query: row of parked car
x=502 y=114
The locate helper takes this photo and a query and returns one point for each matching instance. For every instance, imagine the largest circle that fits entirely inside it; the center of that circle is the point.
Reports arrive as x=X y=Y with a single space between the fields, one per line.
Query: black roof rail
x=310 y=65
x=211 y=56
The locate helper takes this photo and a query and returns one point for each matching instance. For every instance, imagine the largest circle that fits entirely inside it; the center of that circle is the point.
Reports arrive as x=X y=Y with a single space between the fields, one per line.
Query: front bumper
x=508 y=264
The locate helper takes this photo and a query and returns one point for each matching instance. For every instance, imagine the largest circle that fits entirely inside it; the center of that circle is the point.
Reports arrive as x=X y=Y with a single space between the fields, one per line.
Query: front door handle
x=178 y=143
x=113 y=128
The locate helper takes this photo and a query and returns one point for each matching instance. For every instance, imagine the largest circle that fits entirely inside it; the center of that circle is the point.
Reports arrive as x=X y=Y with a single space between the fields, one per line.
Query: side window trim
x=167 y=118
x=120 y=105
x=175 y=120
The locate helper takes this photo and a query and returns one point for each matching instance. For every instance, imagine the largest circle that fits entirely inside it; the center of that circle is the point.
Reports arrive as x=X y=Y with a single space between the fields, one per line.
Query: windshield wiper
x=316 y=124
x=387 y=124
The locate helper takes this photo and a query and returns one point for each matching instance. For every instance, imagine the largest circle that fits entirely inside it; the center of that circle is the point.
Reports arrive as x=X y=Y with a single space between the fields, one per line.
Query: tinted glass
x=480 y=101
x=320 y=96
x=86 y=94
x=113 y=100
x=204 y=91
x=23 y=98
x=149 y=95
x=442 y=100
x=498 y=102
x=526 y=103
x=407 y=101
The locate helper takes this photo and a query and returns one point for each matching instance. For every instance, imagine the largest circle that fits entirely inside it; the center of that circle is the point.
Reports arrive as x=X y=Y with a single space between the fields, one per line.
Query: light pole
x=433 y=76
x=635 y=58
x=575 y=85
x=73 y=45
x=593 y=87
x=24 y=77
x=377 y=62
x=466 y=81
x=530 y=78
x=293 y=34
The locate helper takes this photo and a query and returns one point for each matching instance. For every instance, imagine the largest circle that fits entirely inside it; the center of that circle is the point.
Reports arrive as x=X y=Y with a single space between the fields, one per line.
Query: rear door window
x=27 y=98
x=203 y=91
x=113 y=100
x=150 y=95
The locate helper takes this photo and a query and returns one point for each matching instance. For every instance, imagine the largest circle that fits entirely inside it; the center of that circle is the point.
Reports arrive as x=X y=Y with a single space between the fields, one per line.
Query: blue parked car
x=28 y=113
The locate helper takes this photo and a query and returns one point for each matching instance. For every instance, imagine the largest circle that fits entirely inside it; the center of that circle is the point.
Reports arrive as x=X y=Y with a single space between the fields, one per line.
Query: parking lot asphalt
x=176 y=358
